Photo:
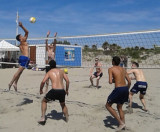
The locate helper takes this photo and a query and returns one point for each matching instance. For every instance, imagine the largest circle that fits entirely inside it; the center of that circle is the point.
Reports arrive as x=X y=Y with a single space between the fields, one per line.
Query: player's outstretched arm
x=24 y=29
x=48 y=33
x=54 y=43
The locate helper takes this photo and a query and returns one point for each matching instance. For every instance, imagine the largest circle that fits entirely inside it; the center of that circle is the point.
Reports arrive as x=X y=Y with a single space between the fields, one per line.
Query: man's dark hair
x=135 y=63
x=116 y=60
x=52 y=64
x=17 y=37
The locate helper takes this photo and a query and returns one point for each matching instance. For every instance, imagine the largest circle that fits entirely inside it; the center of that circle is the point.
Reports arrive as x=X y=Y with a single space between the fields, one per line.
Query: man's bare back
x=56 y=76
x=118 y=74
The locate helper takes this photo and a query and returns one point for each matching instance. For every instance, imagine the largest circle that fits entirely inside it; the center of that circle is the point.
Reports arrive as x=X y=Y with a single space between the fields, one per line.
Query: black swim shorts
x=56 y=94
x=95 y=74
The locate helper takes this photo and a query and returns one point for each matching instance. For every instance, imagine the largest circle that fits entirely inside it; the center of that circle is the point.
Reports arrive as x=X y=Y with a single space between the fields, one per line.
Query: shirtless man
x=57 y=92
x=120 y=94
x=98 y=74
x=140 y=85
x=23 y=59
x=50 y=50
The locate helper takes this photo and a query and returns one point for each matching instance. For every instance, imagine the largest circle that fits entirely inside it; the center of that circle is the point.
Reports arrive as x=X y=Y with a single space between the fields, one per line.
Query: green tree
x=86 y=47
x=136 y=48
x=94 y=47
x=142 y=48
x=66 y=42
x=105 y=45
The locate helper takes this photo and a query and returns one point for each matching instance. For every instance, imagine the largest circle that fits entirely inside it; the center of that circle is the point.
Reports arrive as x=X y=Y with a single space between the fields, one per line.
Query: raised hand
x=48 y=33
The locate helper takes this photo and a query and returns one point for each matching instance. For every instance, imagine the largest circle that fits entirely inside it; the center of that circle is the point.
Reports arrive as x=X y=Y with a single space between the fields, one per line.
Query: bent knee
x=91 y=77
x=44 y=100
x=98 y=79
x=108 y=105
x=141 y=97
x=119 y=106
x=62 y=103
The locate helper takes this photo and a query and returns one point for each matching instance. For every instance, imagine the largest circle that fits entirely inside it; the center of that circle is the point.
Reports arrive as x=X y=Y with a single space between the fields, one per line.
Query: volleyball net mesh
x=81 y=51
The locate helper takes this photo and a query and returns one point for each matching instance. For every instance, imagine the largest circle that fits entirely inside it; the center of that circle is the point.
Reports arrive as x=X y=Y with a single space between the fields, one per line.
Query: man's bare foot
x=42 y=121
x=90 y=86
x=122 y=126
x=130 y=110
x=15 y=87
x=98 y=87
x=144 y=109
x=67 y=118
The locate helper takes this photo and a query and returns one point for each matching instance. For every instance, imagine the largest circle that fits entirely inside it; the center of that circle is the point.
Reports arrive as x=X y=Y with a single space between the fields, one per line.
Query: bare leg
x=121 y=113
x=42 y=121
x=97 y=82
x=130 y=99
x=115 y=115
x=47 y=83
x=130 y=110
x=65 y=111
x=16 y=78
x=141 y=97
x=44 y=108
x=91 y=80
x=16 y=81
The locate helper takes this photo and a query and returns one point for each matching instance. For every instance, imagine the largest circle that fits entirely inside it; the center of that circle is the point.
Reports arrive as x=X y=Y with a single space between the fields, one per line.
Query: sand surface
x=20 y=111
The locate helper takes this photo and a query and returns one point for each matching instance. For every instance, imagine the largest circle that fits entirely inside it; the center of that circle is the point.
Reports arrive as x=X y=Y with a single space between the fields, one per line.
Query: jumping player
x=23 y=59
x=50 y=54
x=57 y=92
x=98 y=74
x=120 y=94
x=140 y=85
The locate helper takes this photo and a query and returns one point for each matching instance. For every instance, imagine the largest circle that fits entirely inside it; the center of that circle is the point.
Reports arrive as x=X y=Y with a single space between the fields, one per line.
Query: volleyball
x=32 y=19
x=66 y=70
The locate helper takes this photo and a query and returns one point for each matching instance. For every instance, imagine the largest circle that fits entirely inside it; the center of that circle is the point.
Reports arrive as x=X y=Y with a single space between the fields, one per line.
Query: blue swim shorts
x=139 y=86
x=119 y=95
x=24 y=61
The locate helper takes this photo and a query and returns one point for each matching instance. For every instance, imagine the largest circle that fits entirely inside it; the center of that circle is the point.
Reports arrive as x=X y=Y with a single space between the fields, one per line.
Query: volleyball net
x=81 y=51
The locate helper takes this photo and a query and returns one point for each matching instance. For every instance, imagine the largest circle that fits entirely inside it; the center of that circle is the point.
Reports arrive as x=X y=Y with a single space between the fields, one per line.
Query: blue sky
x=79 y=17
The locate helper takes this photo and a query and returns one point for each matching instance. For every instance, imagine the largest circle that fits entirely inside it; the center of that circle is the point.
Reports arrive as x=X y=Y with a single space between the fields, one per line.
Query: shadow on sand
x=56 y=115
x=25 y=101
x=110 y=122
x=135 y=105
